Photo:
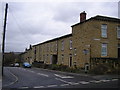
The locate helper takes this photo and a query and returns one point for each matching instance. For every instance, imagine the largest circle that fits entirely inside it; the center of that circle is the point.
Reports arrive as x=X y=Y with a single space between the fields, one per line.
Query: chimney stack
x=82 y=16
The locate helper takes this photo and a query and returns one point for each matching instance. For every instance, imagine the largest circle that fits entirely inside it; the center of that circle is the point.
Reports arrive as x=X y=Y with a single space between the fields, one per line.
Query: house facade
x=92 y=41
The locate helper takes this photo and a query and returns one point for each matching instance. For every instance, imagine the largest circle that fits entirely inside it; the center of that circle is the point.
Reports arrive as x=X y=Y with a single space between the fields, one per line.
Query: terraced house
x=92 y=41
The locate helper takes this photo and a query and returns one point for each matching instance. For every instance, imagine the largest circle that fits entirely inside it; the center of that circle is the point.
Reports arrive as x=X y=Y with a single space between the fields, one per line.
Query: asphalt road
x=24 y=78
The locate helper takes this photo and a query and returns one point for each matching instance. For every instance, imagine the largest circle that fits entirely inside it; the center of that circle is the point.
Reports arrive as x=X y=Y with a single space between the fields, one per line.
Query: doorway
x=54 y=59
x=118 y=50
x=70 y=60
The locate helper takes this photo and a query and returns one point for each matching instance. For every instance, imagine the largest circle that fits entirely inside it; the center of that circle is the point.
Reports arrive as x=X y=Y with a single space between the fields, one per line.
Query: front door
x=70 y=60
x=118 y=50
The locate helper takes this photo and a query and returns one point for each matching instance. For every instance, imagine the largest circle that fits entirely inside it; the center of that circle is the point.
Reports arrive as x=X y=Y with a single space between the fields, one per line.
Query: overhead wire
x=19 y=26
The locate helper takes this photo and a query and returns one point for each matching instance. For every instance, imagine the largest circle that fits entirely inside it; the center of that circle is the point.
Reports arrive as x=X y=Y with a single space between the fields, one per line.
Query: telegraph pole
x=4 y=30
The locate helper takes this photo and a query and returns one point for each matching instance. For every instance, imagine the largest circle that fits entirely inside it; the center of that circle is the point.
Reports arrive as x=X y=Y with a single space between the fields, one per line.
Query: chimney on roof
x=82 y=16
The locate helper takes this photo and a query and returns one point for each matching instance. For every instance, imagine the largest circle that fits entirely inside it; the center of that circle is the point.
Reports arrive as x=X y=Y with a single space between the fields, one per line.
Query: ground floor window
x=104 y=49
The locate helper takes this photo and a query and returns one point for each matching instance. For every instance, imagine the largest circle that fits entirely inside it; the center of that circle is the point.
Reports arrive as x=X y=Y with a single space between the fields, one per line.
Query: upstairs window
x=70 y=44
x=62 y=59
x=118 y=32
x=75 y=51
x=62 y=45
x=104 y=49
x=35 y=51
x=56 y=46
x=104 y=30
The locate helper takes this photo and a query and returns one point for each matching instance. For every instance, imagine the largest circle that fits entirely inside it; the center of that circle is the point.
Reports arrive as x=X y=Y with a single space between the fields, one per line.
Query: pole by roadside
x=4 y=30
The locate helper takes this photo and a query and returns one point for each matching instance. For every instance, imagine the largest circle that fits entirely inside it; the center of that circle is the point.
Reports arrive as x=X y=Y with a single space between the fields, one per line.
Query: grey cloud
x=37 y=22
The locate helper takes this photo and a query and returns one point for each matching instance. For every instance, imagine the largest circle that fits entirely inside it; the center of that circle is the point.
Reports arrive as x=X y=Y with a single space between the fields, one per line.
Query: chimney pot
x=82 y=16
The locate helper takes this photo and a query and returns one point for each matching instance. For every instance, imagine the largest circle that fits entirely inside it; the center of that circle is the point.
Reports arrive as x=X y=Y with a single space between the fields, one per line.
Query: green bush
x=104 y=69
x=99 y=69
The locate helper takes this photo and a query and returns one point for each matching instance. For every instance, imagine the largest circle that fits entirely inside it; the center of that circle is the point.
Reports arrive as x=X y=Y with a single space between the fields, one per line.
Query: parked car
x=12 y=65
x=26 y=65
x=16 y=64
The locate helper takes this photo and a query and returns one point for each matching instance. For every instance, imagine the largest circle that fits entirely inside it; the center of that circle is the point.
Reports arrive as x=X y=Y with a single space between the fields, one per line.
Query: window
x=51 y=47
x=62 y=45
x=56 y=46
x=104 y=50
x=104 y=30
x=35 y=51
x=47 y=47
x=47 y=57
x=62 y=59
x=118 y=32
x=70 y=44
x=75 y=51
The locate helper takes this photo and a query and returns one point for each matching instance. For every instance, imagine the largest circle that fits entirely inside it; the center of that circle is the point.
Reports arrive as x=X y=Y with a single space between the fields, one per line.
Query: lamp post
x=3 y=43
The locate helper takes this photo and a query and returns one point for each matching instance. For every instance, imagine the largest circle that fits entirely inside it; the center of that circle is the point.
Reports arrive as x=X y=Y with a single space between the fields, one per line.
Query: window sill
x=118 y=38
x=70 y=48
x=104 y=37
x=104 y=56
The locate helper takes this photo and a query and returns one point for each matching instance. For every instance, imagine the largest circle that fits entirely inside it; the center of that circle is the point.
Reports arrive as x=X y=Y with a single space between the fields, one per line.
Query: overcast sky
x=35 y=22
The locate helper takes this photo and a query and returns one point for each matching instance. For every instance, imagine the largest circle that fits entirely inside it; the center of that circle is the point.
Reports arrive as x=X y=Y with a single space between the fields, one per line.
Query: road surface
x=24 y=78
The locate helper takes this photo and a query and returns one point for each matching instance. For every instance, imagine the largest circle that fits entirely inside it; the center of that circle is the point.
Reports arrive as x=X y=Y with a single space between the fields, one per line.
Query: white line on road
x=72 y=83
x=97 y=81
x=52 y=85
x=43 y=74
x=39 y=87
x=84 y=82
x=64 y=84
x=105 y=80
x=31 y=71
x=23 y=87
x=63 y=80
x=75 y=83
x=16 y=79
x=114 y=79
x=62 y=76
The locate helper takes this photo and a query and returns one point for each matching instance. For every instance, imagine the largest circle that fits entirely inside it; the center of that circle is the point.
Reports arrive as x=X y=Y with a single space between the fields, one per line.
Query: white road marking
x=75 y=83
x=64 y=84
x=16 y=79
x=39 y=87
x=31 y=71
x=92 y=81
x=72 y=83
x=23 y=87
x=63 y=80
x=114 y=79
x=62 y=76
x=43 y=74
x=97 y=81
x=105 y=80
x=52 y=85
x=84 y=82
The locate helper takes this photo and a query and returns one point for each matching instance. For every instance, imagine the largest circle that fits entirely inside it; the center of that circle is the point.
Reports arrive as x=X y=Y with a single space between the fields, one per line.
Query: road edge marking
x=14 y=77
x=52 y=85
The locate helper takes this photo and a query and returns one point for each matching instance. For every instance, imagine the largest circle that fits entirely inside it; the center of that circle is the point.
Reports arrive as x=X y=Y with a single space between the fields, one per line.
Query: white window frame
x=104 y=49
x=62 y=58
x=75 y=51
x=56 y=46
x=70 y=44
x=62 y=43
x=118 y=31
x=104 y=30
